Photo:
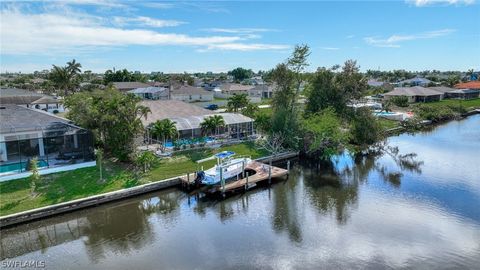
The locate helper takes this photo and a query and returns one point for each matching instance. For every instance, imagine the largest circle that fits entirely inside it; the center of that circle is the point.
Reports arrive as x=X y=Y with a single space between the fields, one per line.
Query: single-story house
x=190 y=94
x=235 y=88
x=153 y=93
x=31 y=99
x=442 y=89
x=26 y=133
x=464 y=94
x=187 y=118
x=415 y=94
x=127 y=86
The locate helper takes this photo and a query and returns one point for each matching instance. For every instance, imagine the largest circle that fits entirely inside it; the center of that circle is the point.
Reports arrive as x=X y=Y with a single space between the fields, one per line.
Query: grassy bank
x=65 y=186
x=467 y=104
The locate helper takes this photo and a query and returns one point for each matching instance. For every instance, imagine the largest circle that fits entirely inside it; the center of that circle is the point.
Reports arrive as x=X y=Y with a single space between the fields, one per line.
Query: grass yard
x=387 y=124
x=186 y=161
x=65 y=186
x=468 y=104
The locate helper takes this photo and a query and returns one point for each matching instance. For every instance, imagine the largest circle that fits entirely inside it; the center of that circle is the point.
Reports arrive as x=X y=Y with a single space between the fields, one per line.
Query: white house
x=189 y=93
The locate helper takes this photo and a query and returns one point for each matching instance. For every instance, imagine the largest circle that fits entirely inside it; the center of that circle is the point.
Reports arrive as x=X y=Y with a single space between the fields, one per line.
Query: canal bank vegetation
x=323 y=124
x=16 y=195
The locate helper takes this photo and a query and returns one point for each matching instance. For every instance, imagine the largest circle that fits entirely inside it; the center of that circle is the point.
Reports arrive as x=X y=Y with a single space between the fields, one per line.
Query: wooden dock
x=254 y=172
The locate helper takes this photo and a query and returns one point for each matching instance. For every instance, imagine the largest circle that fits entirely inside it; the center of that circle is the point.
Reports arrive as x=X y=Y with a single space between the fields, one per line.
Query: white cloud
x=159 y=5
x=423 y=3
x=49 y=33
x=394 y=40
x=239 y=30
x=146 y=21
x=247 y=47
x=330 y=48
x=350 y=36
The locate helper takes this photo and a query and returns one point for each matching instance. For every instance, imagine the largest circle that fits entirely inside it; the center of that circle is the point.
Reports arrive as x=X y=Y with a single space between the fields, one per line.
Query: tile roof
x=129 y=85
x=17 y=118
x=185 y=115
x=469 y=85
x=412 y=91
x=442 y=89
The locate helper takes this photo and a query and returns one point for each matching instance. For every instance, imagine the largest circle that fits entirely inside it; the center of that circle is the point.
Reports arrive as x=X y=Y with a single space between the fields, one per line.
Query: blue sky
x=218 y=36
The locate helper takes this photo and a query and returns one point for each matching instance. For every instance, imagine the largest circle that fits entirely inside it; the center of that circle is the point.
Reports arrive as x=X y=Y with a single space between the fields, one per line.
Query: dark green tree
x=113 y=117
x=239 y=74
x=237 y=102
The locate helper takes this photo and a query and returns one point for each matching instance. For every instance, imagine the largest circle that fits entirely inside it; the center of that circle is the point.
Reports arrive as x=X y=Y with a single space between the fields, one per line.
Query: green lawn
x=387 y=124
x=186 y=161
x=61 y=187
x=468 y=104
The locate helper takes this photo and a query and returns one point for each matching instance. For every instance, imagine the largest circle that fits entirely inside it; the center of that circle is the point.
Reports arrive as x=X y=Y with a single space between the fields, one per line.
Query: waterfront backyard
x=371 y=212
x=80 y=183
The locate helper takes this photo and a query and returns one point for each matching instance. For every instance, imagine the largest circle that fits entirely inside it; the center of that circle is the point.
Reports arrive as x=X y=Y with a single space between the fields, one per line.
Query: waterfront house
x=189 y=93
x=187 y=118
x=415 y=94
x=26 y=133
x=464 y=94
x=31 y=99
x=153 y=93
x=127 y=86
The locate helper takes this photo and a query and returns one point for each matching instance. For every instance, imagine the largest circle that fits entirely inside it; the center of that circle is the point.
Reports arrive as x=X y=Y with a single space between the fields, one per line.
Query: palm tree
x=60 y=77
x=212 y=123
x=164 y=129
x=236 y=102
x=250 y=110
x=74 y=67
x=66 y=78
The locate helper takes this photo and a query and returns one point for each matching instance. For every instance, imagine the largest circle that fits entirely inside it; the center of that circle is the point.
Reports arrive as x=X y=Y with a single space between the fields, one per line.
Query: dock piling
x=246 y=183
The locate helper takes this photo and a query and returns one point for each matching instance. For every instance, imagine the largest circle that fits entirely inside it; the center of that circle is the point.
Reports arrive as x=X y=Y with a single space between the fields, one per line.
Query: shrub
x=400 y=101
x=436 y=113
x=365 y=128
x=55 y=111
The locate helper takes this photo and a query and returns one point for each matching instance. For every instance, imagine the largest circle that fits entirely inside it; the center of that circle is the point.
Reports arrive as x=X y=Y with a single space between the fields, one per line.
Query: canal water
x=415 y=205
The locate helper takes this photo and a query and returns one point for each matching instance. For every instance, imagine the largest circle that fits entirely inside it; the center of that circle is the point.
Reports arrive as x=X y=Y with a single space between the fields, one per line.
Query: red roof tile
x=469 y=85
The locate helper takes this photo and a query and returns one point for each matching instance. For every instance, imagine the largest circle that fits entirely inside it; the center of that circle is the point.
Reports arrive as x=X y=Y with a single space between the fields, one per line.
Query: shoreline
x=92 y=201
x=423 y=124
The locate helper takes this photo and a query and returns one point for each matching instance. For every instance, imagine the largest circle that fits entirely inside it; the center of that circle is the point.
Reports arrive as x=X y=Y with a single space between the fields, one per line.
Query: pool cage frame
x=58 y=144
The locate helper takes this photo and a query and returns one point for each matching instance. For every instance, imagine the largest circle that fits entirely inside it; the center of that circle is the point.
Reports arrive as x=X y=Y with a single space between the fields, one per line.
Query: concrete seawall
x=94 y=200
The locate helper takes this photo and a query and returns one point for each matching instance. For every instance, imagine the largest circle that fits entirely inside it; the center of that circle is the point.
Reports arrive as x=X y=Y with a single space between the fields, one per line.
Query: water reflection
x=377 y=210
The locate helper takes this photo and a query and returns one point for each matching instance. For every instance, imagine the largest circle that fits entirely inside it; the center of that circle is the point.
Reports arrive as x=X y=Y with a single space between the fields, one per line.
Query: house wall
x=191 y=98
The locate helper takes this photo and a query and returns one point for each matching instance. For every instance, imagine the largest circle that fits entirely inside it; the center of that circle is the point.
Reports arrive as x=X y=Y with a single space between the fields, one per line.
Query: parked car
x=212 y=107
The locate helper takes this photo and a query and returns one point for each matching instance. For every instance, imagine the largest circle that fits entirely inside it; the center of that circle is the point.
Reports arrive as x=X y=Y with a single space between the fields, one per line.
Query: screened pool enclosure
x=53 y=140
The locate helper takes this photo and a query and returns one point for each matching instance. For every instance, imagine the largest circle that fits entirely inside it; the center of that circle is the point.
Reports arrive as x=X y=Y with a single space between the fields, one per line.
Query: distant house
x=262 y=91
x=26 y=133
x=127 y=86
x=153 y=93
x=190 y=94
x=417 y=81
x=464 y=94
x=377 y=84
x=235 y=88
x=469 y=85
x=415 y=94
x=31 y=99
x=187 y=119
